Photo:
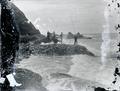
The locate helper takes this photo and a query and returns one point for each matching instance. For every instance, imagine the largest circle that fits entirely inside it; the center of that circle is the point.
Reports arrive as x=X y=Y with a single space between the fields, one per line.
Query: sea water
x=74 y=72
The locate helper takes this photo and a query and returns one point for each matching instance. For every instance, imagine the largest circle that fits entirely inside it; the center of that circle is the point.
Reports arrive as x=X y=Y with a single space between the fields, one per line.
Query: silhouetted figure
x=61 y=36
x=54 y=38
x=75 y=39
x=48 y=35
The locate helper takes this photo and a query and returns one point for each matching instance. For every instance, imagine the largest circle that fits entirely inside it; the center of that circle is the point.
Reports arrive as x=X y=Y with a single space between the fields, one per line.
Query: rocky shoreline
x=30 y=81
x=27 y=50
x=33 y=82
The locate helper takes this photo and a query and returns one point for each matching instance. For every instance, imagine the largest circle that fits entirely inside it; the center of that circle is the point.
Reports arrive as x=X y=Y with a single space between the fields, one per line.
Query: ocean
x=74 y=72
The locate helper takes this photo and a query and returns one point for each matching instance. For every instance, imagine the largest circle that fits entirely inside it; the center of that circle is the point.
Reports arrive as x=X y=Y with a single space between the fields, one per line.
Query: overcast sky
x=84 y=16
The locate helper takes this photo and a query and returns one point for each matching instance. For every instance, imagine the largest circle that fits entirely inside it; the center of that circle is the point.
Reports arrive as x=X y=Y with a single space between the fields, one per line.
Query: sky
x=84 y=16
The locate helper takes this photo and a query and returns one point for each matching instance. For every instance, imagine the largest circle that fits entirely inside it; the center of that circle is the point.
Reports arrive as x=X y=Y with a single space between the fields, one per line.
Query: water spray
x=105 y=47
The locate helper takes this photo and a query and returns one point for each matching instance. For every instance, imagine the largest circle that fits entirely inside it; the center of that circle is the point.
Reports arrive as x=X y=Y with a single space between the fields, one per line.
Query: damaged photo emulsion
x=54 y=45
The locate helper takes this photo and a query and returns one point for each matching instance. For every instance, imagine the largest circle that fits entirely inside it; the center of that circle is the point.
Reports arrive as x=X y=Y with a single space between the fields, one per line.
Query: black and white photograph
x=60 y=45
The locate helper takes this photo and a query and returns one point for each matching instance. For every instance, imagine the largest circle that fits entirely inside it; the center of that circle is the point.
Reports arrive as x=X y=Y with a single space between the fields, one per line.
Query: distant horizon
x=81 y=33
x=65 y=16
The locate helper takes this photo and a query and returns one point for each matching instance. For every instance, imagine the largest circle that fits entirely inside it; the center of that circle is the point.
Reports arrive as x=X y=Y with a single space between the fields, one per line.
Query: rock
x=29 y=80
x=25 y=26
x=52 y=49
x=70 y=35
x=79 y=36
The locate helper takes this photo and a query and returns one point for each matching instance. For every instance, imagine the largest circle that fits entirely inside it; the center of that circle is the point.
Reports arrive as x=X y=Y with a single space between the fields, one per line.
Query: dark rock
x=78 y=35
x=29 y=80
x=52 y=49
x=70 y=35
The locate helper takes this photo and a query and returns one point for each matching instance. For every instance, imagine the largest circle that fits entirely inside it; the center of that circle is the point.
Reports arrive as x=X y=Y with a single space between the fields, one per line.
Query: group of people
x=59 y=38
x=54 y=37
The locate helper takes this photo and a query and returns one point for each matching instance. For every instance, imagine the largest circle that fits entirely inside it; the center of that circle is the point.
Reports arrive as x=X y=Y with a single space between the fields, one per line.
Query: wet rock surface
x=30 y=80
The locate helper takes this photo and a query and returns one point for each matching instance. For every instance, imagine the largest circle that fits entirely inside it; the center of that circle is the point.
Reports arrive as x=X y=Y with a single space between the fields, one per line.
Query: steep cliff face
x=27 y=30
x=24 y=25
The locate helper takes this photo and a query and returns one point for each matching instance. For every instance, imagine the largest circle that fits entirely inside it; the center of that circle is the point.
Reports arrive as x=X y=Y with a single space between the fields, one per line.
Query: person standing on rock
x=54 y=38
x=75 y=39
x=48 y=36
x=61 y=36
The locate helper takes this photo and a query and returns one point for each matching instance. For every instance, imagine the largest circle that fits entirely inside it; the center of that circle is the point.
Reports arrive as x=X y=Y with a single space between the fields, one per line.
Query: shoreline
x=26 y=50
